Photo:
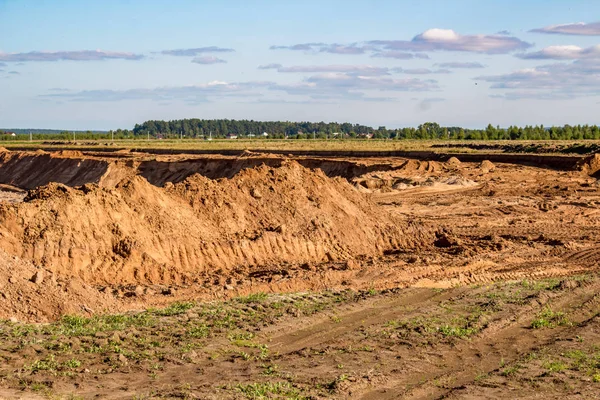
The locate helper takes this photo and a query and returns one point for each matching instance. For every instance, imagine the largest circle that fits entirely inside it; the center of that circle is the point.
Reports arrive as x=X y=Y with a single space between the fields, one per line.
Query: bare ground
x=433 y=280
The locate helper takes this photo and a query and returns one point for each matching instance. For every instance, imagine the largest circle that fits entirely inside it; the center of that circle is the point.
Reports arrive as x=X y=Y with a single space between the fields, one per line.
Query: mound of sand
x=453 y=162
x=139 y=233
x=3 y=149
x=487 y=166
x=590 y=165
x=28 y=293
x=68 y=153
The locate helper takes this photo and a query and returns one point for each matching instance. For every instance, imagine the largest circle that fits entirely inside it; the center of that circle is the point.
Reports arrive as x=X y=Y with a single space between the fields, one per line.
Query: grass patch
x=549 y=319
x=253 y=298
x=173 y=309
x=269 y=390
x=555 y=366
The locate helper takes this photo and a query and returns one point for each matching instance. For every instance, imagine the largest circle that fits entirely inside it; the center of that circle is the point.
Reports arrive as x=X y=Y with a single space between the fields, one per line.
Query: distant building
x=265 y=134
x=230 y=136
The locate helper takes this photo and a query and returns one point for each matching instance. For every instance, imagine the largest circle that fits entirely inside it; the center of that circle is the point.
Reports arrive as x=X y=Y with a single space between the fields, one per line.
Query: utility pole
x=73 y=135
x=30 y=136
x=112 y=136
x=148 y=133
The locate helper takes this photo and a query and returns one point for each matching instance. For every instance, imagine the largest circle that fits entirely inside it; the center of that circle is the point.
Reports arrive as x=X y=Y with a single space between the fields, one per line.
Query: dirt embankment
x=136 y=232
x=33 y=293
x=29 y=170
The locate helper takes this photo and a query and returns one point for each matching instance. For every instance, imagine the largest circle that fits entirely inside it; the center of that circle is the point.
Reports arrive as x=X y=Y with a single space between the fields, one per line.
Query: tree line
x=200 y=128
x=221 y=128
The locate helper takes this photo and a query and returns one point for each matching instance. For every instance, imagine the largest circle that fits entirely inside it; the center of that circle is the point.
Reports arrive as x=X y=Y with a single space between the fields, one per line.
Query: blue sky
x=111 y=64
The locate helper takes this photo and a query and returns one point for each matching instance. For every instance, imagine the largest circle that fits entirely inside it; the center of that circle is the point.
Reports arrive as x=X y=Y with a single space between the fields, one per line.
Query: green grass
x=269 y=390
x=253 y=298
x=549 y=319
x=555 y=366
x=457 y=331
x=173 y=309
x=75 y=325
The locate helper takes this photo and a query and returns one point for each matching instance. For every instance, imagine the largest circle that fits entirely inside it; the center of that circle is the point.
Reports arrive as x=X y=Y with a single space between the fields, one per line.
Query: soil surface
x=129 y=275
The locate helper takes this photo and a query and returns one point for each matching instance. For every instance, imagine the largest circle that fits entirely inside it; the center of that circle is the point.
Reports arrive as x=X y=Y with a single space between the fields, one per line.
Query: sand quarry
x=136 y=275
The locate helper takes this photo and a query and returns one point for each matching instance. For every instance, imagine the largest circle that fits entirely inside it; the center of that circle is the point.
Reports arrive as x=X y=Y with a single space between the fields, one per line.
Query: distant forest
x=222 y=128
x=321 y=130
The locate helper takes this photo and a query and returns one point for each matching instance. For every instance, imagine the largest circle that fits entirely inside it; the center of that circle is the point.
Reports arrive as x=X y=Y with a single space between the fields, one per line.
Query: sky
x=108 y=64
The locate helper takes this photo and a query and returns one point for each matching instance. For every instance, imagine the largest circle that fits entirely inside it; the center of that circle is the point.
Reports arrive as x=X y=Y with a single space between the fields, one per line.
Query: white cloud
x=80 y=55
x=269 y=66
x=207 y=60
x=334 y=48
x=467 y=65
x=553 y=81
x=448 y=40
x=399 y=55
x=421 y=71
x=196 y=51
x=348 y=69
x=191 y=94
x=431 y=40
x=568 y=52
x=577 y=28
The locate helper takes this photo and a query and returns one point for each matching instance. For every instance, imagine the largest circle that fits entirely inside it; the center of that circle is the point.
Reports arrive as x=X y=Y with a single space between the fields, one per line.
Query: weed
x=37 y=386
x=545 y=284
x=270 y=369
x=174 y=309
x=75 y=325
x=549 y=319
x=240 y=336
x=47 y=364
x=481 y=376
x=198 y=331
x=270 y=390
x=456 y=331
x=512 y=370
x=555 y=366
x=72 y=363
x=253 y=298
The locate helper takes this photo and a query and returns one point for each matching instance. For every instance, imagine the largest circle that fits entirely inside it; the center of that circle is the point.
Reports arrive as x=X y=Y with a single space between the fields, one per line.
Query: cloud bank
x=196 y=51
x=553 y=81
x=207 y=60
x=435 y=39
x=577 y=28
x=81 y=55
x=466 y=65
x=568 y=52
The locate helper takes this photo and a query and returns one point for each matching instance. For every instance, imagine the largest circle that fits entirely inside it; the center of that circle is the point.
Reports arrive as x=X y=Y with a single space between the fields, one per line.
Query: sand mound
x=590 y=165
x=28 y=293
x=453 y=162
x=421 y=166
x=68 y=153
x=487 y=166
x=137 y=232
x=3 y=149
